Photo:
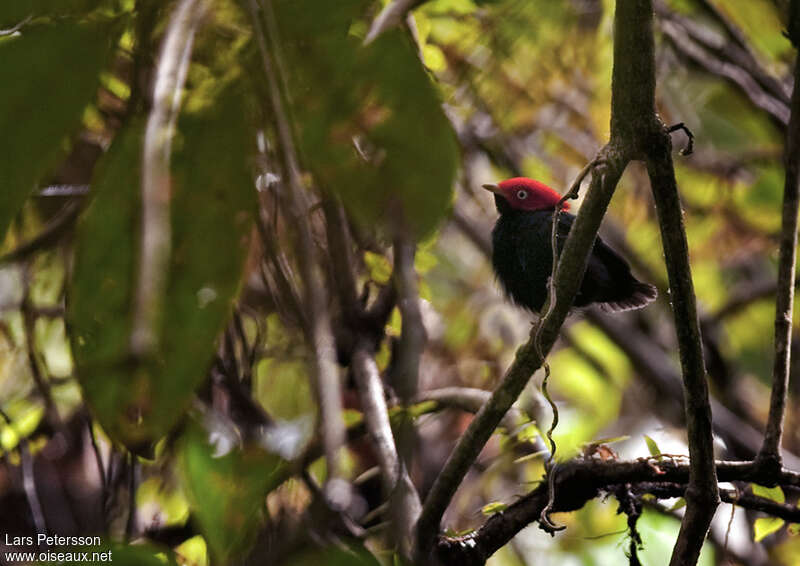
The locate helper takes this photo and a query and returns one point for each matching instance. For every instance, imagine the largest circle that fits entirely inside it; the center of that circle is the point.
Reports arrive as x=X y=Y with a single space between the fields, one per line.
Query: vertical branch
x=156 y=236
x=326 y=371
x=405 y=363
x=702 y=496
x=784 y=301
x=405 y=504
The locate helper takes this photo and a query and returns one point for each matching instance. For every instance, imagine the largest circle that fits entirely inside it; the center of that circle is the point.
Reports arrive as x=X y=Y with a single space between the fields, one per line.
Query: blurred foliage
x=404 y=131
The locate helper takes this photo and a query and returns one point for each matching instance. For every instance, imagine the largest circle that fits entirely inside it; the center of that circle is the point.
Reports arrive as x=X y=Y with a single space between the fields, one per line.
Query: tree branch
x=156 y=232
x=391 y=16
x=770 y=452
x=394 y=474
x=702 y=495
x=326 y=371
x=579 y=481
x=568 y=277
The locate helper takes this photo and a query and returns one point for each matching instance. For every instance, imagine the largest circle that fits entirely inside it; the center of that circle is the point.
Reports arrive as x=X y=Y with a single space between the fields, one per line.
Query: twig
x=770 y=451
x=685 y=45
x=468 y=399
x=101 y=471
x=689 y=149
x=405 y=504
x=326 y=372
x=16 y=28
x=130 y=523
x=573 y=261
x=156 y=232
x=49 y=234
x=391 y=16
x=579 y=481
x=28 y=479
x=552 y=298
x=29 y=323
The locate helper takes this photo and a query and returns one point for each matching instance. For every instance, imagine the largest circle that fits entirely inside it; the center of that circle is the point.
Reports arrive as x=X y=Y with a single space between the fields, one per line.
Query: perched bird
x=522 y=254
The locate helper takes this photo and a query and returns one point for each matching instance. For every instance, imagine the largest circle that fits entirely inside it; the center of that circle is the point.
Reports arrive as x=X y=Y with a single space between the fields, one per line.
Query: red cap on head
x=527 y=194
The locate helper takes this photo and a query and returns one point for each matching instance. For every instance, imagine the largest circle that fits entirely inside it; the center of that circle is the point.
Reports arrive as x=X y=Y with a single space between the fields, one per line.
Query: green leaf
x=765 y=526
x=652 y=447
x=213 y=196
x=370 y=121
x=226 y=485
x=493 y=508
x=681 y=502
x=772 y=493
x=380 y=270
x=50 y=74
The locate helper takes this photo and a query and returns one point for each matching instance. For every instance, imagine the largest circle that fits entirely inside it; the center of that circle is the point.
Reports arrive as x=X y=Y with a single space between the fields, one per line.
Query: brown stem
x=784 y=302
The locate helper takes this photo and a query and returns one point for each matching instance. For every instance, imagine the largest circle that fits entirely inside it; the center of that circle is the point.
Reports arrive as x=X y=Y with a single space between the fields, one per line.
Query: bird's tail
x=642 y=295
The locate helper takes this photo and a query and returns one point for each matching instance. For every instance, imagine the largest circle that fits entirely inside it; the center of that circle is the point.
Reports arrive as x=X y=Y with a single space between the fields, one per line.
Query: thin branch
x=28 y=479
x=391 y=16
x=770 y=451
x=326 y=372
x=405 y=503
x=580 y=481
x=130 y=522
x=29 y=316
x=469 y=399
x=633 y=110
x=15 y=28
x=101 y=471
x=50 y=234
x=404 y=378
x=156 y=232
x=573 y=261
x=405 y=362
x=686 y=46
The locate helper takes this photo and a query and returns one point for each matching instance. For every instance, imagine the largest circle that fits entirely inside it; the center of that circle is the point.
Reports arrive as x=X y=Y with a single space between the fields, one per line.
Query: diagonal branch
x=391 y=16
x=572 y=264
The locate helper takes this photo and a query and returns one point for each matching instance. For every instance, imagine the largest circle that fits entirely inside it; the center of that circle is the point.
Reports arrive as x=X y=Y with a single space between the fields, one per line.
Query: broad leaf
x=50 y=74
x=227 y=485
x=369 y=119
x=211 y=215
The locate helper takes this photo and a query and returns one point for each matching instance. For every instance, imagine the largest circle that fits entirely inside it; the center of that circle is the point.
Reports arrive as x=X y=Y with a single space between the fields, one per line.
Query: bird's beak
x=492 y=187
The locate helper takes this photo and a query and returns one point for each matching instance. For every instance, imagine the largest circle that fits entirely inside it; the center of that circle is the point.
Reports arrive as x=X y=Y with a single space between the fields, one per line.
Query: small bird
x=522 y=255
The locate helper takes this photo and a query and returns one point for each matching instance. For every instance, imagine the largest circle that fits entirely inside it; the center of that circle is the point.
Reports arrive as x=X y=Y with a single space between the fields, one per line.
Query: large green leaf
x=227 y=485
x=212 y=202
x=369 y=120
x=50 y=74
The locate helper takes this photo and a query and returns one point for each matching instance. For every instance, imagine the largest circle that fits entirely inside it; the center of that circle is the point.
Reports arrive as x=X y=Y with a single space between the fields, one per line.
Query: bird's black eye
x=522 y=195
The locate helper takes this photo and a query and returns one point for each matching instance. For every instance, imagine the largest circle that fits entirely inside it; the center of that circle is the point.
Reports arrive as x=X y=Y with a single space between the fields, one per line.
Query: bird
x=522 y=254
